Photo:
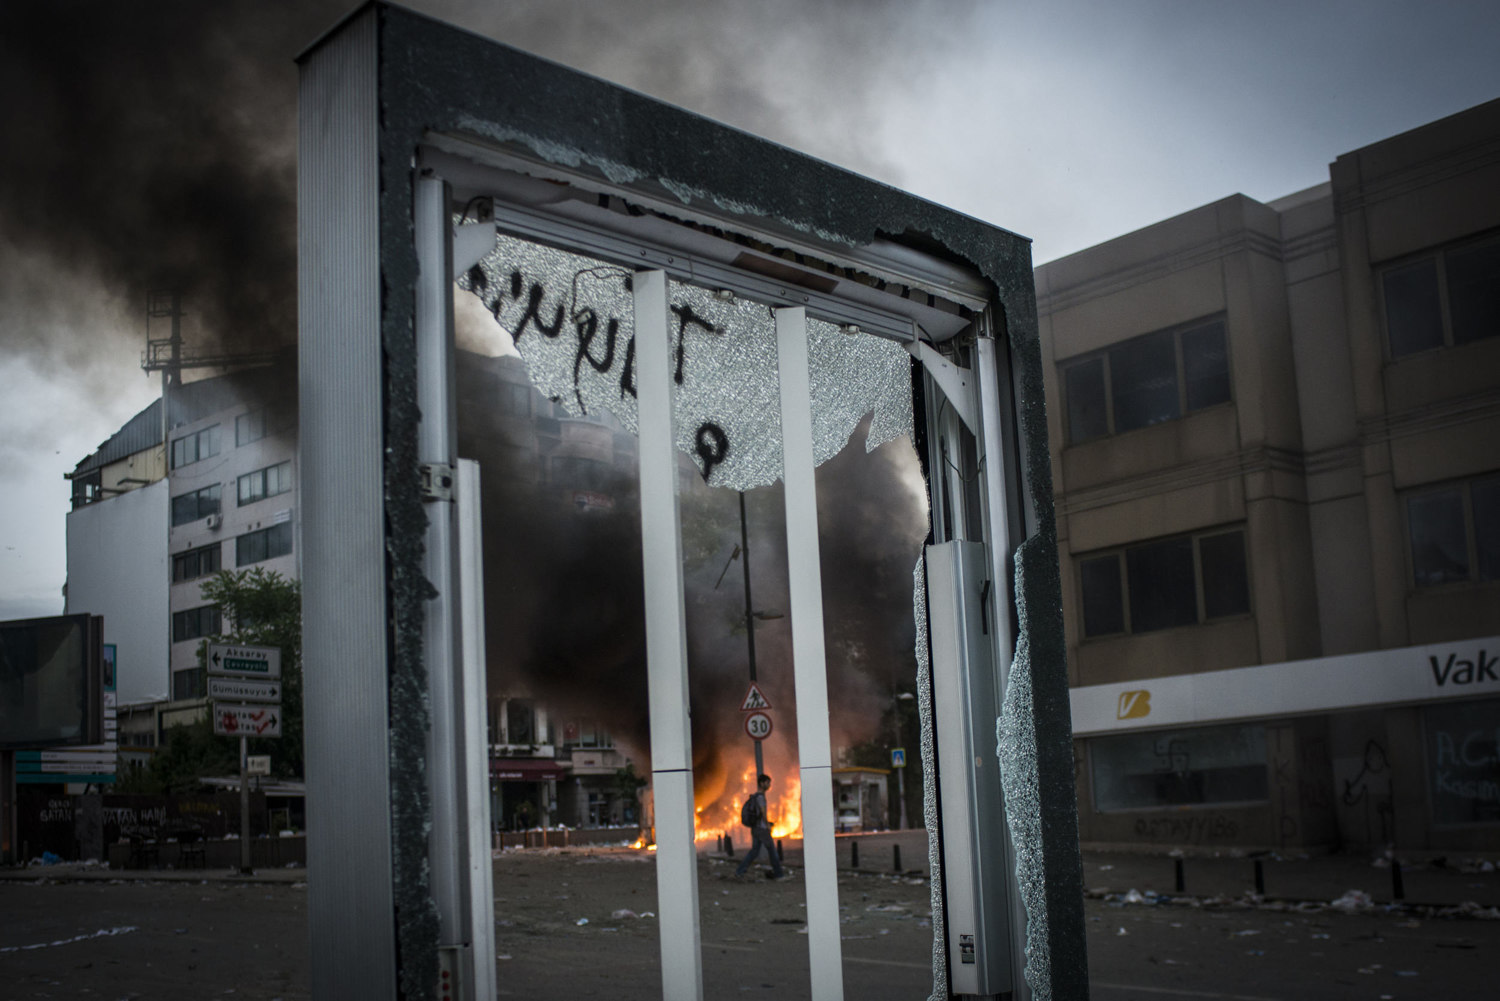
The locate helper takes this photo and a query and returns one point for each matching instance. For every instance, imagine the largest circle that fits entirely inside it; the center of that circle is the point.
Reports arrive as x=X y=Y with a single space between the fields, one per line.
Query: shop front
x=1388 y=748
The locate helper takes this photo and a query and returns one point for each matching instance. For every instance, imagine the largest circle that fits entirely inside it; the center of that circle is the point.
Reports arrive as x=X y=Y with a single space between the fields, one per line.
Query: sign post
x=247 y=674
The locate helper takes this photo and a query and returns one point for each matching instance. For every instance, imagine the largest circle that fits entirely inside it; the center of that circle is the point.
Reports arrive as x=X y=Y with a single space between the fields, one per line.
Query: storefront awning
x=525 y=769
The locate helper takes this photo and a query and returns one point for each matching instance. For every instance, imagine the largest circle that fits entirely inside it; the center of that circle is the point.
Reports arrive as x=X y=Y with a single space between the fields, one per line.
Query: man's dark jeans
x=761 y=836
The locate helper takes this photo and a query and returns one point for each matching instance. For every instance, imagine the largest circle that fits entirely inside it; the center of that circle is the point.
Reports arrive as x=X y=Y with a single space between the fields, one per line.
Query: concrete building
x=154 y=516
x=1278 y=503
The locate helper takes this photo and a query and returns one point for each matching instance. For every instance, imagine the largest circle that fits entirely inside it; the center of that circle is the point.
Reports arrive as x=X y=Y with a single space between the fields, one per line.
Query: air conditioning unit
x=215 y=520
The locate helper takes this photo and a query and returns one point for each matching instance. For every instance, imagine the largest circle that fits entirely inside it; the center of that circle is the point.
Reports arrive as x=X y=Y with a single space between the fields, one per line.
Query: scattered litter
x=1246 y=931
x=1255 y=952
x=886 y=907
x=624 y=913
x=1406 y=973
x=49 y=858
x=101 y=933
x=648 y=914
x=1105 y=868
x=581 y=921
x=503 y=955
x=1364 y=969
x=1353 y=900
x=1486 y=866
x=1133 y=897
x=1321 y=934
x=1122 y=931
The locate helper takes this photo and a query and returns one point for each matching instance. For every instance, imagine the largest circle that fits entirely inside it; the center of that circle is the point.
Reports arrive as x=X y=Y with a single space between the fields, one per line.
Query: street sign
x=244 y=690
x=244 y=661
x=898 y=757
x=247 y=721
x=758 y=725
x=754 y=700
x=257 y=764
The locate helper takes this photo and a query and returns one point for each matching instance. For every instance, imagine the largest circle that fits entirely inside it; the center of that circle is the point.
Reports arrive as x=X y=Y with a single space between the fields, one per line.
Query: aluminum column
x=436 y=447
x=809 y=659
x=666 y=648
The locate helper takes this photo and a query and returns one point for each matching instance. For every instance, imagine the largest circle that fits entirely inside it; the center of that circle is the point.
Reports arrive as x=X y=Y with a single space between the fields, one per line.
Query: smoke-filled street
x=581 y=923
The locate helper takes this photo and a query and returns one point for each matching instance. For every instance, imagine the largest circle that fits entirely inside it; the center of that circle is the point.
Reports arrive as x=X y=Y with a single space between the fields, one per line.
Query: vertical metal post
x=991 y=390
x=8 y=852
x=809 y=660
x=760 y=764
x=474 y=706
x=244 y=807
x=448 y=845
x=666 y=648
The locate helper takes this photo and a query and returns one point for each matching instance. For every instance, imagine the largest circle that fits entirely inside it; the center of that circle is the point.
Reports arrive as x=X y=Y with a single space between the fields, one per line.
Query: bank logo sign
x=1134 y=705
x=1404 y=676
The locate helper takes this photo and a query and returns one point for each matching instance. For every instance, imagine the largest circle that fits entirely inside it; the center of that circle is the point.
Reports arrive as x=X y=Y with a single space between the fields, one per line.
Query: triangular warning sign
x=754 y=700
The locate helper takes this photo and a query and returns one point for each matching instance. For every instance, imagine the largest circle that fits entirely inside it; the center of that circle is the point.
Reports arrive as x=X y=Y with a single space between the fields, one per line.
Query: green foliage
x=628 y=783
x=191 y=752
x=259 y=608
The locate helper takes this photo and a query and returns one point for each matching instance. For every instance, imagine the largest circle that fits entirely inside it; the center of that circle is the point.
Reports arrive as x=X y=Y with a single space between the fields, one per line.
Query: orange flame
x=715 y=813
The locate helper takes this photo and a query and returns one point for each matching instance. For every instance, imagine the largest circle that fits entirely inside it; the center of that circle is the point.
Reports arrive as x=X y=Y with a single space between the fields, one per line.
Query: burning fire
x=717 y=813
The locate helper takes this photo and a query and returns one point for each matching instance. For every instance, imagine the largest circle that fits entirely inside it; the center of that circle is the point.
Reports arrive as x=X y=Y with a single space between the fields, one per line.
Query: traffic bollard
x=1181 y=883
x=854 y=854
x=895 y=858
x=1398 y=891
x=1260 y=878
x=780 y=855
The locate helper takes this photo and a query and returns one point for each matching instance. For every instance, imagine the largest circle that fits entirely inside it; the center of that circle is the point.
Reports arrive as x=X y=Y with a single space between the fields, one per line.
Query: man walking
x=753 y=815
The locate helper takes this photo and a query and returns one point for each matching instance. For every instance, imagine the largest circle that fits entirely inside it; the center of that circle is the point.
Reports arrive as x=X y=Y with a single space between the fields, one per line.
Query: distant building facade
x=1274 y=453
x=162 y=506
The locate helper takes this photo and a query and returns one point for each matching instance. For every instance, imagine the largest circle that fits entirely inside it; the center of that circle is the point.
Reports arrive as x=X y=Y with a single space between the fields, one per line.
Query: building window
x=196 y=563
x=250 y=427
x=590 y=734
x=266 y=482
x=1447 y=297
x=198 y=504
x=187 y=684
x=1146 y=380
x=1455 y=532
x=264 y=544
x=1463 y=761
x=195 y=623
x=520 y=722
x=191 y=447
x=88 y=488
x=1214 y=765
x=1180 y=581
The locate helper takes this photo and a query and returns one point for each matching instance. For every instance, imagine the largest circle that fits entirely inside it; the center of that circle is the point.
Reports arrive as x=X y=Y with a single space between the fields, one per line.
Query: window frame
x=209 y=434
x=197 y=613
x=1119 y=553
x=1439 y=256
x=264 y=478
x=197 y=553
x=1101 y=356
x=1185 y=729
x=1465 y=490
x=198 y=505
x=265 y=534
x=242 y=420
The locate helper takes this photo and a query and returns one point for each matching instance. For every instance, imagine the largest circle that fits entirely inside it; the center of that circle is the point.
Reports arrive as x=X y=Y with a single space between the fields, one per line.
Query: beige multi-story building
x=1276 y=457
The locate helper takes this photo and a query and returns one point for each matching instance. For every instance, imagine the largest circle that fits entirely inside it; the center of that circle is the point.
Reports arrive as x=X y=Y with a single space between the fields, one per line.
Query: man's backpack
x=750 y=811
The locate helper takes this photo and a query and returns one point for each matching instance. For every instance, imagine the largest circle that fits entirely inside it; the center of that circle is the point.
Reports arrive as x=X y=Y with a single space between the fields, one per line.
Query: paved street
x=580 y=923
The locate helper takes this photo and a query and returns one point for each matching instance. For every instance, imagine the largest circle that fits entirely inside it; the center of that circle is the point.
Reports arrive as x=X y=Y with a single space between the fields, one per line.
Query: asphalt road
x=206 y=939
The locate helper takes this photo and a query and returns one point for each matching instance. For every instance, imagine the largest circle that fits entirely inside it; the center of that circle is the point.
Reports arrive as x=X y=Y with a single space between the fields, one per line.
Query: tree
x=262 y=608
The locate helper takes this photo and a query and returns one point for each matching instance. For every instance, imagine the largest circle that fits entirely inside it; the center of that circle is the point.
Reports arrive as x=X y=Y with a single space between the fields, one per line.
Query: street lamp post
x=749 y=617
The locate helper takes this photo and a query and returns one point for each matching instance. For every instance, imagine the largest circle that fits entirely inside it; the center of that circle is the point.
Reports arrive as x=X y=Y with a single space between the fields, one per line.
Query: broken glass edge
x=572 y=320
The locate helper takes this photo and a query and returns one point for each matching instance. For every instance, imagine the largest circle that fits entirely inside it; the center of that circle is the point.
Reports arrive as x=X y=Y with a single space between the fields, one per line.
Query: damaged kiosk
x=723 y=297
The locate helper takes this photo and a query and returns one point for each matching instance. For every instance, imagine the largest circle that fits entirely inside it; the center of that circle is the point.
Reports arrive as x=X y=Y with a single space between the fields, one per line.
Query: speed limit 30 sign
x=758 y=725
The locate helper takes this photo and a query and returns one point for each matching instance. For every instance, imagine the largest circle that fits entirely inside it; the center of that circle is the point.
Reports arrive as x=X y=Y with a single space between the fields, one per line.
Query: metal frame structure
x=403 y=120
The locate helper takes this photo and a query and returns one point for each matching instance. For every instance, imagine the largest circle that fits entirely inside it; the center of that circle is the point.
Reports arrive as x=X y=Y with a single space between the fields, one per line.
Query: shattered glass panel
x=572 y=318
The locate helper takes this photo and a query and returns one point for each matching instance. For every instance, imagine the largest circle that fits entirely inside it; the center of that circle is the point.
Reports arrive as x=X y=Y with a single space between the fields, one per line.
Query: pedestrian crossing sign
x=754 y=700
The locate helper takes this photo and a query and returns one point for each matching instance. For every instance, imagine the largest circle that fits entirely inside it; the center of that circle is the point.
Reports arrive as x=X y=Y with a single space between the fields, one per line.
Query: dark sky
x=151 y=143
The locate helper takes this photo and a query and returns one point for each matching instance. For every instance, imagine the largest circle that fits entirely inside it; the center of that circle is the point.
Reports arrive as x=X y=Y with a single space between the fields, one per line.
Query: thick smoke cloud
x=152 y=145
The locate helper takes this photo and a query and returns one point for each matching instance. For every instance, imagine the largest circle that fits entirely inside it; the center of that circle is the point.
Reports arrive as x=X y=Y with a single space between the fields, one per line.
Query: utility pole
x=760 y=767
